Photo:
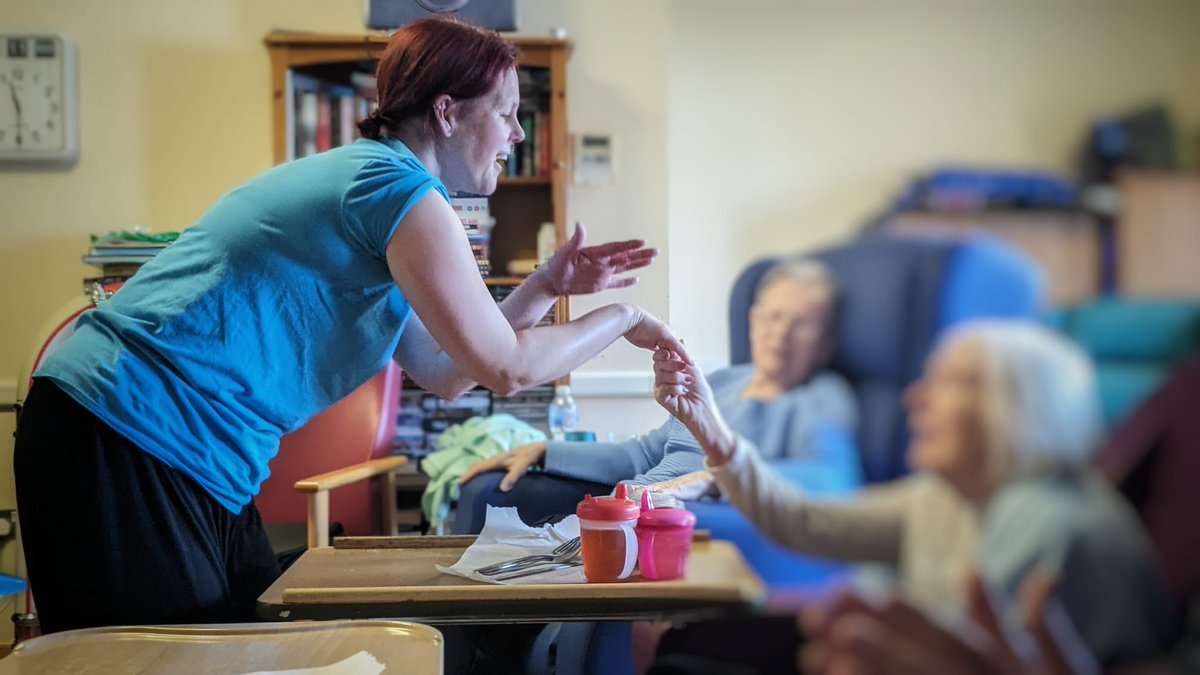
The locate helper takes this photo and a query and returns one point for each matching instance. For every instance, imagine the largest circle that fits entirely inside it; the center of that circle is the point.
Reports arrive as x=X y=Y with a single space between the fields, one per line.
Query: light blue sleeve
x=378 y=199
x=607 y=463
x=681 y=454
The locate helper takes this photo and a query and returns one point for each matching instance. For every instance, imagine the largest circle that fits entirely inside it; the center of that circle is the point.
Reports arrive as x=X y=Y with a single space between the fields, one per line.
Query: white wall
x=618 y=77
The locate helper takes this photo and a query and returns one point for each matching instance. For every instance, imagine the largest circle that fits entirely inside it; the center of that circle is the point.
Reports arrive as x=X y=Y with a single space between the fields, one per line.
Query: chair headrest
x=897 y=293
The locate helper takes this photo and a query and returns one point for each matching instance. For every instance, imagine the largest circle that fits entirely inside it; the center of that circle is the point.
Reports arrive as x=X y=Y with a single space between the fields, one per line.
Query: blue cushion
x=1147 y=330
x=1125 y=384
x=986 y=277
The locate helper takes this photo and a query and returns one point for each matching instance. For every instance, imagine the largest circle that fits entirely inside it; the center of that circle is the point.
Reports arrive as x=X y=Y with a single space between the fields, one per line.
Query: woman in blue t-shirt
x=147 y=433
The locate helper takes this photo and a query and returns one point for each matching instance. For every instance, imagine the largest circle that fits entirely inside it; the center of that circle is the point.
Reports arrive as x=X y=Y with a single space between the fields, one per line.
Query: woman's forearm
x=529 y=302
x=545 y=353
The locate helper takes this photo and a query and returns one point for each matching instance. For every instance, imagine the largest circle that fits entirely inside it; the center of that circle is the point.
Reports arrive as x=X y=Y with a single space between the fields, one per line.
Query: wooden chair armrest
x=350 y=474
x=317 y=488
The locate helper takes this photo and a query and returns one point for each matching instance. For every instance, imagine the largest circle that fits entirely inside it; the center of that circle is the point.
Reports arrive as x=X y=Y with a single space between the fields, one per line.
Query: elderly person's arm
x=865 y=527
x=869 y=527
x=595 y=462
x=680 y=455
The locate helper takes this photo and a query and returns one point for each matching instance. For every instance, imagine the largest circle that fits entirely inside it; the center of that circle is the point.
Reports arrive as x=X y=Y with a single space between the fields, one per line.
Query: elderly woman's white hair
x=1040 y=402
x=808 y=271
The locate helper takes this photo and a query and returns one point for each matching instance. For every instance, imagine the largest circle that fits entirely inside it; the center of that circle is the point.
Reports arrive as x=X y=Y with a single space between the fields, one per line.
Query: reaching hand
x=650 y=333
x=681 y=389
x=577 y=270
x=516 y=462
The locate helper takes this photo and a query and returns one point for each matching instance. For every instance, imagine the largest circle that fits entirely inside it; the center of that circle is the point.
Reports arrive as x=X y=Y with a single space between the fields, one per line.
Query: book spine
x=324 y=140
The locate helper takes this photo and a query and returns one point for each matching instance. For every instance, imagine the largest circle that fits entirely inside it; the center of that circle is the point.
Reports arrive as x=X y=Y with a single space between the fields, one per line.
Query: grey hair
x=1041 y=406
x=805 y=270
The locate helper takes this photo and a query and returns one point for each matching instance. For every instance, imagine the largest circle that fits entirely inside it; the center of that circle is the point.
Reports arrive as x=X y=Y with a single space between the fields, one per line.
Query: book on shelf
x=326 y=113
x=475 y=215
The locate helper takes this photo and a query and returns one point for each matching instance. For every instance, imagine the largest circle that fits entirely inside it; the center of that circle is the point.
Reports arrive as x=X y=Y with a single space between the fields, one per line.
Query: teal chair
x=1135 y=344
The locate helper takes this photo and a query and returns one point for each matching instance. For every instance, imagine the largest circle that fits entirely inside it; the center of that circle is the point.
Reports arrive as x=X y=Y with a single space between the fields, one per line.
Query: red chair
x=338 y=448
x=342 y=446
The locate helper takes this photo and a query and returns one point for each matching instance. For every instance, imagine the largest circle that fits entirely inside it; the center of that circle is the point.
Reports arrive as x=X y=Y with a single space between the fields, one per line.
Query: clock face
x=37 y=97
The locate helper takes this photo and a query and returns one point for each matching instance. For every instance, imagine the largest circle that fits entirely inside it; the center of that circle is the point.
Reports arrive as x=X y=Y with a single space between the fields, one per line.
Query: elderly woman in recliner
x=802 y=417
x=1003 y=423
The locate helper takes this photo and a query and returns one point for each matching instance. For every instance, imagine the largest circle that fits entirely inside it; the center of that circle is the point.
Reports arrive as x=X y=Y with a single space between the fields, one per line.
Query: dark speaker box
x=494 y=14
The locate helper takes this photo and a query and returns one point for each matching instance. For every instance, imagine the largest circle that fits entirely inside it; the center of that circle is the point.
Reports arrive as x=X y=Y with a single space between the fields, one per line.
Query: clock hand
x=16 y=102
x=12 y=88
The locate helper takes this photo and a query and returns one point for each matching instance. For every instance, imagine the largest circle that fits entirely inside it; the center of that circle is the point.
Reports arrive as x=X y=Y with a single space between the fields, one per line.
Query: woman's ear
x=444 y=115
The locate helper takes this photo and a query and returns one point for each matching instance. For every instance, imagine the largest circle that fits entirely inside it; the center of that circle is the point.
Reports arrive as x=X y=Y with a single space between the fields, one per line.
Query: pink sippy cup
x=664 y=540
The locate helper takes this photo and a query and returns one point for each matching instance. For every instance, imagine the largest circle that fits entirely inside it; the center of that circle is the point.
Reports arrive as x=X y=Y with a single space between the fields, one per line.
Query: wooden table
x=395 y=577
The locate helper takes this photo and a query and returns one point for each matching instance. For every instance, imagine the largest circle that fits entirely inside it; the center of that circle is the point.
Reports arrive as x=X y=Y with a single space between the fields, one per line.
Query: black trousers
x=113 y=536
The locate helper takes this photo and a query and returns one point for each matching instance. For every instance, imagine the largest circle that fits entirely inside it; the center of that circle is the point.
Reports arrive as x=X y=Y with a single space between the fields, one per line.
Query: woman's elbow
x=452 y=390
x=505 y=382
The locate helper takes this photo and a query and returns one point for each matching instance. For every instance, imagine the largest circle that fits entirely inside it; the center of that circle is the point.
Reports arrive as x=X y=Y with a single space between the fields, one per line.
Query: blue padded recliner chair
x=896 y=295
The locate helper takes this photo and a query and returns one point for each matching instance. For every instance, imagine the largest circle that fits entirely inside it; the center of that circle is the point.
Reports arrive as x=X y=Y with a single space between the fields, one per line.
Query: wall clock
x=39 y=111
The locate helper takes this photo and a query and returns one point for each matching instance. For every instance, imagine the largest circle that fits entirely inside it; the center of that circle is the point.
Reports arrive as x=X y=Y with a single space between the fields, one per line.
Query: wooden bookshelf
x=521 y=203
x=343 y=66
x=503 y=281
x=525 y=180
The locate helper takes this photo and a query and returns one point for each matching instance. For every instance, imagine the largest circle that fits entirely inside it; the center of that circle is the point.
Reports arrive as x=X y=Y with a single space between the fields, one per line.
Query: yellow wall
x=790 y=124
x=741 y=128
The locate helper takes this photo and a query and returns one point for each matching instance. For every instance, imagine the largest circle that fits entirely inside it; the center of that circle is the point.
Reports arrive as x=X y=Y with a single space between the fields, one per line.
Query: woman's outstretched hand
x=576 y=269
x=648 y=332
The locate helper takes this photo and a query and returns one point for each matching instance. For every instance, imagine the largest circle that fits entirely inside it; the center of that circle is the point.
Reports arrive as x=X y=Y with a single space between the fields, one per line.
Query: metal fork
x=561 y=553
x=538 y=568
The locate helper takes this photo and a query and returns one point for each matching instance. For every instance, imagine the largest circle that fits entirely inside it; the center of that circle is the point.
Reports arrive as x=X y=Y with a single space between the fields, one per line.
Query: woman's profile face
x=484 y=132
x=945 y=415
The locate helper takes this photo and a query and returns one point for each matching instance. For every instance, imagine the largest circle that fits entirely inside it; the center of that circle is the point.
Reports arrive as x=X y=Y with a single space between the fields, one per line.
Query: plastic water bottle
x=563 y=415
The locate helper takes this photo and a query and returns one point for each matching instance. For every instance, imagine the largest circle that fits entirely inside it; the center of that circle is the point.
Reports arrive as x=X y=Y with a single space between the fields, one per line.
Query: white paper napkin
x=361 y=663
x=505 y=536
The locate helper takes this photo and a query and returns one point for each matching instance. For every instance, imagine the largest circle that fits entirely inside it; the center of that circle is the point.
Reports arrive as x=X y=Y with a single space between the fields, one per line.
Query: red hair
x=431 y=57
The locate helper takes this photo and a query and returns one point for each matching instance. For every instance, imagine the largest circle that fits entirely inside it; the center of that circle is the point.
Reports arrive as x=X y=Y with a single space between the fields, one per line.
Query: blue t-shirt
x=276 y=304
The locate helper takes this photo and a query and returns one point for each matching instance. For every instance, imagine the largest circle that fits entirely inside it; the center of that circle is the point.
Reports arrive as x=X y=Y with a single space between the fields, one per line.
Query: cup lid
x=615 y=508
x=669 y=516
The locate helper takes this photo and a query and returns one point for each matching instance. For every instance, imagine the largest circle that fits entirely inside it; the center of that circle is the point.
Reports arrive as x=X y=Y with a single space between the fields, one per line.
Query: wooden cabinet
x=1066 y=244
x=1158 y=234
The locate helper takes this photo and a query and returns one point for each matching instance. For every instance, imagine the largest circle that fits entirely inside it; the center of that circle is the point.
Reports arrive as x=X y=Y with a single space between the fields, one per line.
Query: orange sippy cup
x=606 y=532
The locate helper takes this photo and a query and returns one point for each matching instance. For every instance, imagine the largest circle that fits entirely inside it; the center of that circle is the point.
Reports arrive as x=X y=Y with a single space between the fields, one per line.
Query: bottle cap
x=612 y=509
x=664 y=516
x=562 y=390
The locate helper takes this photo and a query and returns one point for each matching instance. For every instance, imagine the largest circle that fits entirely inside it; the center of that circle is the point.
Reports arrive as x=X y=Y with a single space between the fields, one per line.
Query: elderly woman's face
x=787 y=325
x=945 y=415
